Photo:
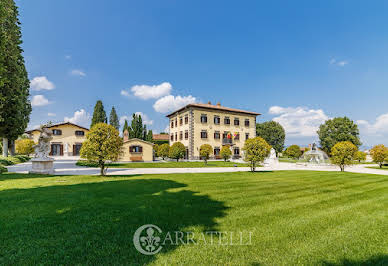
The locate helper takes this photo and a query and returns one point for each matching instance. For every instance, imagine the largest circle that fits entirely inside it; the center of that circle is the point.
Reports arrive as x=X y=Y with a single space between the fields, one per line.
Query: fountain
x=42 y=163
x=315 y=155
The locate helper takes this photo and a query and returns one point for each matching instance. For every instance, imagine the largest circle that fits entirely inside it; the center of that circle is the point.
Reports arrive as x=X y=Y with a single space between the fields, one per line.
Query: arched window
x=135 y=149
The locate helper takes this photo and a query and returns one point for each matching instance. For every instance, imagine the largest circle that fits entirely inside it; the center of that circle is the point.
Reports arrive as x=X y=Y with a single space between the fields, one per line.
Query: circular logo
x=146 y=240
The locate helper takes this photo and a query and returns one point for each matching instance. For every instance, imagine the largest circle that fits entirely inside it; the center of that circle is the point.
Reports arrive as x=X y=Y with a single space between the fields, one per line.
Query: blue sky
x=297 y=62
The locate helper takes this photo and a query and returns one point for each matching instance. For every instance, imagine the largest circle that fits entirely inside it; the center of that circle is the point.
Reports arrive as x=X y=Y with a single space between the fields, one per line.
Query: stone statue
x=314 y=147
x=271 y=159
x=42 y=163
x=43 y=148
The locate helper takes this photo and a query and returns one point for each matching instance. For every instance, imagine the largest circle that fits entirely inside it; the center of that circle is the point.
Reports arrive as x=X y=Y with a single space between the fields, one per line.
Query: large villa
x=197 y=124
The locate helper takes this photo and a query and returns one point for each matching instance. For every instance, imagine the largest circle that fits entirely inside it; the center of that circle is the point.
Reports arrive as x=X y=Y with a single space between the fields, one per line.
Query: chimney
x=125 y=135
x=209 y=102
x=218 y=104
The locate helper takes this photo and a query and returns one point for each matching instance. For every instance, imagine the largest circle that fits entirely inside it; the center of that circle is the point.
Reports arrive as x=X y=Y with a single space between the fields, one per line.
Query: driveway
x=69 y=167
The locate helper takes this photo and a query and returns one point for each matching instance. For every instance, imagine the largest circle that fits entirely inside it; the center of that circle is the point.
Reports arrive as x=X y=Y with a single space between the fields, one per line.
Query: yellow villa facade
x=67 y=138
x=216 y=125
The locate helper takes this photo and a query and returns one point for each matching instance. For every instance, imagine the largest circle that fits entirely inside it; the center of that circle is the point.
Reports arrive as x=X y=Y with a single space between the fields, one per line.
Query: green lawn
x=296 y=217
x=168 y=164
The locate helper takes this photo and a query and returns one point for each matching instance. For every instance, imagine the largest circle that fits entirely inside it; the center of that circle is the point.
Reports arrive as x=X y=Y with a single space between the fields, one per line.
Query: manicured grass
x=169 y=164
x=296 y=217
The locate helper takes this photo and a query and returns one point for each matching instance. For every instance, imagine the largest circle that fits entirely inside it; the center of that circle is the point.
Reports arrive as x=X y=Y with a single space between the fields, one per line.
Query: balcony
x=227 y=142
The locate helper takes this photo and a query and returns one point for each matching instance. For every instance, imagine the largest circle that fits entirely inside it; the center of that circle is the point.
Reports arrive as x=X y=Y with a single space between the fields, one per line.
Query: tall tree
x=99 y=115
x=337 y=130
x=125 y=125
x=150 y=135
x=113 y=119
x=136 y=130
x=15 y=106
x=273 y=133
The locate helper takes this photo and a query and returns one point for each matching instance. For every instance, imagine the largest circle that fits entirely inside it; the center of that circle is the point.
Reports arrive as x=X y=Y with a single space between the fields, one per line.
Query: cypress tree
x=113 y=119
x=149 y=135
x=125 y=125
x=15 y=107
x=99 y=115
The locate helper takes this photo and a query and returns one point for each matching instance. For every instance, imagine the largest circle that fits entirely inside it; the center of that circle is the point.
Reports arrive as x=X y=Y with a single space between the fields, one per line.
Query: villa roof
x=160 y=137
x=58 y=124
x=217 y=107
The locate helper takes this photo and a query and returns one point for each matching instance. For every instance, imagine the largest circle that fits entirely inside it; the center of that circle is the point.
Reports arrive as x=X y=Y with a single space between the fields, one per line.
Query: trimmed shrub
x=3 y=169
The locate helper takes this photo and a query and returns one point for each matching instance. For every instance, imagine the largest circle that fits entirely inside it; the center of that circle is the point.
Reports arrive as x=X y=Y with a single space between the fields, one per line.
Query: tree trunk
x=342 y=168
x=380 y=164
x=12 y=147
x=102 y=166
x=5 y=147
x=177 y=159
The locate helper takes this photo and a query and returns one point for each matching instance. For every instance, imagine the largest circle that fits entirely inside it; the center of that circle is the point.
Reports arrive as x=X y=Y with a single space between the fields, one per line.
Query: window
x=186 y=119
x=203 y=134
x=79 y=133
x=246 y=136
x=172 y=124
x=172 y=137
x=227 y=121
x=237 y=136
x=180 y=120
x=176 y=122
x=176 y=136
x=217 y=120
x=203 y=118
x=180 y=135
x=186 y=134
x=216 y=135
x=247 y=122
x=236 y=122
x=137 y=149
x=57 y=132
x=216 y=151
x=236 y=151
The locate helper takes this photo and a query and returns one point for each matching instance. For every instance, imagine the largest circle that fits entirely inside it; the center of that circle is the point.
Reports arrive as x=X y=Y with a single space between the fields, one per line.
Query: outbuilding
x=137 y=150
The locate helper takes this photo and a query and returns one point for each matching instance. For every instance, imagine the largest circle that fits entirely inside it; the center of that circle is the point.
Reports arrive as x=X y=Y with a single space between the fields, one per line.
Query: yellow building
x=136 y=150
x=67 y=138
x=197 y=124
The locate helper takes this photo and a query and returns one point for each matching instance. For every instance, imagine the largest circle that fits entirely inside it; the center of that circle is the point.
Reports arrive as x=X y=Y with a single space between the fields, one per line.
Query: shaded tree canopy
x=15 y=107
x=273 y=133
x=113 y=119
x=337 y=130
x=99 y=115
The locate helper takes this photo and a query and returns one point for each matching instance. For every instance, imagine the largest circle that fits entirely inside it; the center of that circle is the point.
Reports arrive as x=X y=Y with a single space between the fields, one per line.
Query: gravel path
x=68 y=167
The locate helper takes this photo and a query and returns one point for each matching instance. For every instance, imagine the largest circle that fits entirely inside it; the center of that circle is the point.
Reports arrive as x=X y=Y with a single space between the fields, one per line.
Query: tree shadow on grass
x=94 y=223
x=377 y=260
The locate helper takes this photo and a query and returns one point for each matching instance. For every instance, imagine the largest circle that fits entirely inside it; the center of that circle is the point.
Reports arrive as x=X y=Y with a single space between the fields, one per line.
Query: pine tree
x=149 y=135
x=125 y=125
x=136 y=129
x=99 y=115
x=15 y=106
x=113 y=119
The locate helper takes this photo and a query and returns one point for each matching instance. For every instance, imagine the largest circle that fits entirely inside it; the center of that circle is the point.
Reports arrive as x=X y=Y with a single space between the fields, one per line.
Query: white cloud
x=146 y=92
x=378 y=128
x=80 y=117
x=299 y=121
x=41 y=83
x=342 y=63
x=167 y=129
x=171 y=103
x=68 y=57
x=51 y=114
x=39 y=100
x=78 y=72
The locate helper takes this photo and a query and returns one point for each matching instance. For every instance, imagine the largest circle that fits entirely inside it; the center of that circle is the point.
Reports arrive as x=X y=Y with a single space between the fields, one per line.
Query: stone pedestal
x=42 y=166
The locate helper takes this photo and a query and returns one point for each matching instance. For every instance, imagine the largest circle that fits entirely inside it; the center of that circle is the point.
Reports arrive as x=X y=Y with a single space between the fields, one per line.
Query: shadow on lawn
x=375 y=261
x=94 y=223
